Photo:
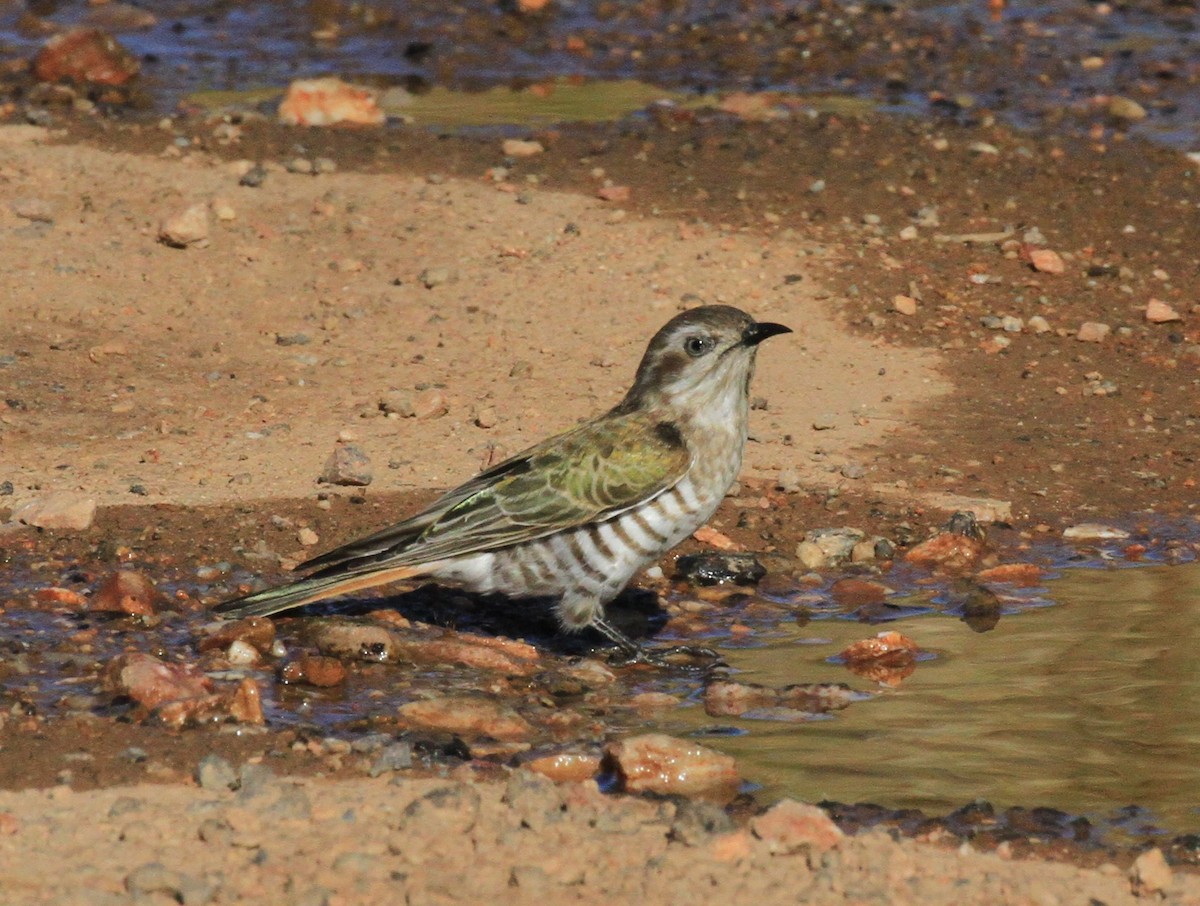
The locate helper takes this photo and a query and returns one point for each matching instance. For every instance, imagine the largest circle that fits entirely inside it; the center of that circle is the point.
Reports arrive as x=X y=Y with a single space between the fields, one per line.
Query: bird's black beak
x=756 y=333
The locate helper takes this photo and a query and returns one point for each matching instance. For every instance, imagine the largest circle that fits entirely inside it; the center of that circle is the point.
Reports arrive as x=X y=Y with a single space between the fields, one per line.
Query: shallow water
x=1086 y=706
x=901 y=56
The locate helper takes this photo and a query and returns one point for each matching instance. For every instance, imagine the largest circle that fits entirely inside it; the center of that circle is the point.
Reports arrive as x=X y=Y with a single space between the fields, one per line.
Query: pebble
x=810 y=555
x=1123 y=108
x=1159 y=312
x=468 y=716
x=889 y=645
x=1094 y=531
x=314 y=670
x=1047 y=261
x=790 y=827
x=1150 y=874
x=668 y=766
x=35 y=209
x=1039 y=325
x=216 y=774
x=126 y=591
x=515 y=147
x=86 y=56
x=434 y=276
x=151 y=682
x=397 y=404
x=836 y=544
x=825 y=422
x=904 y=305
x=58 y=510
x=430 y=404
x=908 y=233
x=614 y=193
x=713 y=568
x=242 y=654
x=396 y=757
x=307 y=537
x=486 y=417
x=325 y=101
x=788 y=481
x=185 y=228
x=1093 y=332
x=348 y=465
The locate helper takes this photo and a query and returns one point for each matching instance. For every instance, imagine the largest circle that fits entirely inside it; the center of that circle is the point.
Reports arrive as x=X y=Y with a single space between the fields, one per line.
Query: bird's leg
x=633 y=653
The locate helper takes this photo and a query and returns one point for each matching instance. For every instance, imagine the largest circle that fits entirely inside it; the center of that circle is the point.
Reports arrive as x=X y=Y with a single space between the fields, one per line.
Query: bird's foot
x=630 y=653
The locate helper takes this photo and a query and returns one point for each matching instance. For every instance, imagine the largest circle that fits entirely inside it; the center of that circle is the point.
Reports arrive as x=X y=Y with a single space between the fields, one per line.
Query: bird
x=574 y=518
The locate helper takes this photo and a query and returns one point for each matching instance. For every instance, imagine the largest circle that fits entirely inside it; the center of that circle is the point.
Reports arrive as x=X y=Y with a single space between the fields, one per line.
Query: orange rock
x=151 y=682
x=1047 y=261
x=566 y=767
x=85 y=55
x=468 y=716
x=854 y=592
x=126 y=591
x=791 y=827
x=59 y=596
x=314 y=670
x=707 y=535
x=948 y=551
x=613 y=193
x=246 y=704
x=657 y=763
x=324 y=102
x=891 y=646
x=1159 y=312
x=1025 y=574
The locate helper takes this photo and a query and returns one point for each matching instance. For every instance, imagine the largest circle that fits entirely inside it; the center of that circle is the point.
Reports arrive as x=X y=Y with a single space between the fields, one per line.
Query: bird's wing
x=594 y=471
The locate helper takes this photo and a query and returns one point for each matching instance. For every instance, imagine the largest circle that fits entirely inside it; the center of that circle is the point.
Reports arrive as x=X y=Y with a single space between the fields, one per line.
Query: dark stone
x=714 y=568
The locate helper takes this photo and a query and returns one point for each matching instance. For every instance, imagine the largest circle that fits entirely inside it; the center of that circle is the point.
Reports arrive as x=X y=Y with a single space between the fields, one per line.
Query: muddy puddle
x=1072 y=693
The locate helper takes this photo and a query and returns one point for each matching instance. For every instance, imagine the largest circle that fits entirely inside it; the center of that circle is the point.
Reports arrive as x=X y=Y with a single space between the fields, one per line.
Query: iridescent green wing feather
x=592 y=472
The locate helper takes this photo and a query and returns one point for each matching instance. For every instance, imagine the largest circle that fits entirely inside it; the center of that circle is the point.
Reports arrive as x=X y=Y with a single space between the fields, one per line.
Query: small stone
x=253 y=177
x=667 y=766
x=904 y=305
x=467 y=716
x=1159 y=312
x=86 y=56
x=348 y=465
x=126 y=591
x=325 y=101
x=835 y=543
x=58 y=510
x=712 y=568
x=1123 y=108
x=851 y=591
x=314 y=670
x=258 y=632
x=810 y=555
x=307 y=537
x=430 y=404
x=185 y=228
x=790 y=827
x=486 y=417
x=1094 y=531
x=788 y=481
x=222 y=210
x=1150 y=875
x=151 y=682
x=948 y=551
x=216 y=774
x=396 y=757
x=825 y=422
x=891 y=646
x=1093 y=332
x=434 y=276
x=908 y=233
x=242 y=654
x=1047 y=261
x=515 y=147
x=1039 y=325
x=396 y=403
x=35 y=209
x=614 y=193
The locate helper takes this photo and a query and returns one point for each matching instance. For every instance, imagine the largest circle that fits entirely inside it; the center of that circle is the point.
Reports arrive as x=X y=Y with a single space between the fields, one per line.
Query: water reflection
x=1087 y=706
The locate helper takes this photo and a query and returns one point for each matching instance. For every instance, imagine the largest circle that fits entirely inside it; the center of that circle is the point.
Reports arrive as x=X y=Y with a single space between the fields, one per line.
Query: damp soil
x=154 y=379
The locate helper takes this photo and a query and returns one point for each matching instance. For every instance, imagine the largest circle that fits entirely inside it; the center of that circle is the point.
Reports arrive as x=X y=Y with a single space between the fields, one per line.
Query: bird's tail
x=306 y=591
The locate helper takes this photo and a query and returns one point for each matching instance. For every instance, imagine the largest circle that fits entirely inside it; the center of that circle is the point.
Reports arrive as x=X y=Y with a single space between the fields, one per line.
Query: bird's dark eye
x=697 y=345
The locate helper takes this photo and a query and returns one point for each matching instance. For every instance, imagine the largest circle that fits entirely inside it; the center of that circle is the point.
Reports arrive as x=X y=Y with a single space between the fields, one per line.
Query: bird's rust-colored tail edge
x=309 y=591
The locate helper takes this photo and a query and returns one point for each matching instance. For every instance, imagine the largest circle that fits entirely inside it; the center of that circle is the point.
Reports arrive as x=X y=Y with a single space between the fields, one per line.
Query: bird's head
x=700 y=363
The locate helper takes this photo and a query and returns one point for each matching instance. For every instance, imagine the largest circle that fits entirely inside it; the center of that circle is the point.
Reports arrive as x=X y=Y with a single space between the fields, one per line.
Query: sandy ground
x=137 y=373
